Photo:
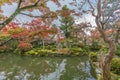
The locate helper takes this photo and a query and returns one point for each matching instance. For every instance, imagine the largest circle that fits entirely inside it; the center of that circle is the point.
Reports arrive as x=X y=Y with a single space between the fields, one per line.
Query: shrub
x=93 y=56
x=95 y=46
x=39 y=52
x=76 y=51
x=103 y=49
x=115 y=65
x=12 y=44
x=3 y=48
x=24 y=46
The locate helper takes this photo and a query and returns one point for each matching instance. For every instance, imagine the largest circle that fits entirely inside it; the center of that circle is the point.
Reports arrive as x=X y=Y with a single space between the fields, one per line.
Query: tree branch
x=93 y=9
x=19 y=4
x=2 y=43
x=17 y=11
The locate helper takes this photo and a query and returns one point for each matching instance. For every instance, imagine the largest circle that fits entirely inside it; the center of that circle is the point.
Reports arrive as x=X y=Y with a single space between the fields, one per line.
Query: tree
x=29 y=5
x=67 y=21
x=102 y=19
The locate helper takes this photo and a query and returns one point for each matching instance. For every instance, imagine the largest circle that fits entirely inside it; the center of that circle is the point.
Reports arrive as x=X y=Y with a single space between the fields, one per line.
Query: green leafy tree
x=67 y=21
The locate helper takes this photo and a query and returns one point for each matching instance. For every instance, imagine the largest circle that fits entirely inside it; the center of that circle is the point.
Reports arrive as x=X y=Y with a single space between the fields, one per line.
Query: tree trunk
x=43 y=44
x=107 y=60
x=111 y=52
x=117 y=35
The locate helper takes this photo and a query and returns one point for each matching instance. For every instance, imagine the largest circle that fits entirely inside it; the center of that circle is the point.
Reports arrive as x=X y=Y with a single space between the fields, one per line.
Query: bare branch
x=19 y=4
x=93 y=9
x=29 y=15
x=99 y=9
x=36 y=3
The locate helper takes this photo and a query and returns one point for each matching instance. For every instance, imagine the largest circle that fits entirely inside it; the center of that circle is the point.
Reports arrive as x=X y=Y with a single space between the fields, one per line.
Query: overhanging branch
x=17 y=11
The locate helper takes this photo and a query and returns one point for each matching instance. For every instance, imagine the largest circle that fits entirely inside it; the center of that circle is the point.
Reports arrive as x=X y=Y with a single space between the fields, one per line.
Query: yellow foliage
x=3 y=1
x=4 y=35
x=15 y=31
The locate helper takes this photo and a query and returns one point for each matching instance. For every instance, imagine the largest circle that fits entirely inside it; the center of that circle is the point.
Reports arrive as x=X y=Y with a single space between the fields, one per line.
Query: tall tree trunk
x=111 y=44
x=111 y=52
x=107 y=60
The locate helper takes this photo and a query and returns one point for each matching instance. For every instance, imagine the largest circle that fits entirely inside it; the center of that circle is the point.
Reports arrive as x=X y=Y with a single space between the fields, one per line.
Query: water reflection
x=14 y=67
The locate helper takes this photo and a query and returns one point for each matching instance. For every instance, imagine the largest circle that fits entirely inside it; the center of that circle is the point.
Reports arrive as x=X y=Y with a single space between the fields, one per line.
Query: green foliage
x=12 y=44
x=93 y=56
x=77 y=51
x=115 y=65
x=39 y=52
x=95 y=46
x=66 y=22
x=17 y=51
x=2 y=51
x=86 y=48
x=65 y=7
x=118 y=49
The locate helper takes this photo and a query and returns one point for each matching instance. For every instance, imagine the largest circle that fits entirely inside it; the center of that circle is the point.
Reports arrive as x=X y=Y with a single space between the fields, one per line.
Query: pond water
x=14 y=67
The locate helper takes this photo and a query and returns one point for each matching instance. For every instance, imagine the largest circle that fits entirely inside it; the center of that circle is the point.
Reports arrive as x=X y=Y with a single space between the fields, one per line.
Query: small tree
x=67 y=22
x=102 y=19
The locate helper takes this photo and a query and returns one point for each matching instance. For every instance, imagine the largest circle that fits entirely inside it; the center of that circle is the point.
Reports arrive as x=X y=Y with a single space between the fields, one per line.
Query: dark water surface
x=14 y=67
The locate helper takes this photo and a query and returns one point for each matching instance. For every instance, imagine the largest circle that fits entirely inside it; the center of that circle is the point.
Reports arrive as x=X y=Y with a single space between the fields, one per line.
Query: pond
x=14 y=67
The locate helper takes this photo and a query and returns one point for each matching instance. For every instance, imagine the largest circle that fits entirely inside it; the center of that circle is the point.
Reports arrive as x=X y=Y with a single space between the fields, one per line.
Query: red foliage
x=24 y=46
x=36 y=22
x=35 y=29
x=11 y=25
x=38 y=28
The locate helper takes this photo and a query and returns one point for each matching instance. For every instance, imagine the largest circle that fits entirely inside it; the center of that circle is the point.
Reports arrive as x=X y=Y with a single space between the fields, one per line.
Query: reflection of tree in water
x=14 y=67
x=76 y=69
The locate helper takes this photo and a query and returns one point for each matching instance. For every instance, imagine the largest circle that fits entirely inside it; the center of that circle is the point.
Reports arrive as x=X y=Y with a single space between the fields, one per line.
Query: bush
x=93 y=56
x=95 y=46
x=3 y=48
x=86 y=48
x=39 y=52
x=77 y=51
x=115 y=65
x=103 y=49
x=24 y=46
